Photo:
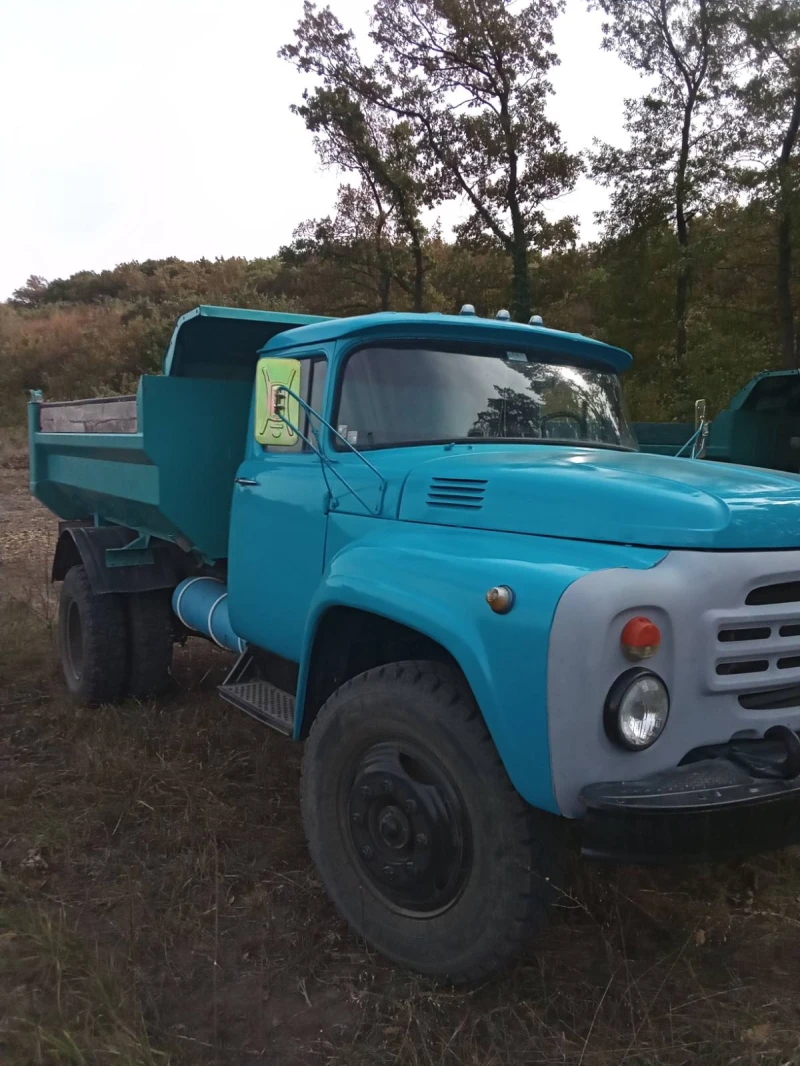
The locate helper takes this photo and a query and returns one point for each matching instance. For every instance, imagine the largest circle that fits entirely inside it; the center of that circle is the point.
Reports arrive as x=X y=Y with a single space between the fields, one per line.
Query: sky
x=138 y=129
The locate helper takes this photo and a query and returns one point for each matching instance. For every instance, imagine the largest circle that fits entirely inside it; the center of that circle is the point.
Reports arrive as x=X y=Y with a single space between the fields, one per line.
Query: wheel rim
x=74 y=641
x=408 y=828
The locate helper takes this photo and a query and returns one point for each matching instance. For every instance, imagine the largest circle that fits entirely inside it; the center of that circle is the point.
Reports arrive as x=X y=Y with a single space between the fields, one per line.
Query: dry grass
x=158 y=906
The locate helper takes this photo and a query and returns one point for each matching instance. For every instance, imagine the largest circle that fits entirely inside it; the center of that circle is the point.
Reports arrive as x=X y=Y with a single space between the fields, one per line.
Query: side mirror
x=701 y=429
x=273 y=404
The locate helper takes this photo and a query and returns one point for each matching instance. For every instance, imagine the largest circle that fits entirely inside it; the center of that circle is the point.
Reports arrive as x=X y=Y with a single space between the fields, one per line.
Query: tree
x=472 y=76
x=679 y=136
x=32 y=294
x=360 y=240
x=771 y=100
x=355 y=135
x=469 y=77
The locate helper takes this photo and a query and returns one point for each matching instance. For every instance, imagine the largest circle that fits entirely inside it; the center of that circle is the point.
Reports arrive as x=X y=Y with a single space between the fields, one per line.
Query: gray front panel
x=698 y=601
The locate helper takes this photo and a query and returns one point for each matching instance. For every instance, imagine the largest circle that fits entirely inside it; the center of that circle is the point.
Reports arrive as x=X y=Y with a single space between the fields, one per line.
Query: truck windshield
x=395 y=395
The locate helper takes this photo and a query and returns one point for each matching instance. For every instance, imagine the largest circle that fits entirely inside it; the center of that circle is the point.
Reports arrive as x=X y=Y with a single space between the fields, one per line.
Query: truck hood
x=606 y=495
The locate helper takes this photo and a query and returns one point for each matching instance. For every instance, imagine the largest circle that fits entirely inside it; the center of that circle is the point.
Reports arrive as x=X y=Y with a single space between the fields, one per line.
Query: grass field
x=157 y=905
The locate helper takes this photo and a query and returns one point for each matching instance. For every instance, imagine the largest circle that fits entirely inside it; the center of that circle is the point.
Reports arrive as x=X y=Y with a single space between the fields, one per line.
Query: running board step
x=260 y=699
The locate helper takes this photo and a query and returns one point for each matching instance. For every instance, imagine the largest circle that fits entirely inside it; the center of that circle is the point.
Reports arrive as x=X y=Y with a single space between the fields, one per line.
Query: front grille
x=757 y=647
x=756 y=633
x=776 y=699
x=783 y=592
x=749 y=666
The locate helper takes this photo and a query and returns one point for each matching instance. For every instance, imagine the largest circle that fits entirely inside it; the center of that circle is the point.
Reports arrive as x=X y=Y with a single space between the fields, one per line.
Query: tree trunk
x=385 y=288
x=786 y=323
x=521 y=291
x=381 y=258
x=682 y=301
x=786 y=326
x=683 y=284
x=518 y=245
x=419 y=270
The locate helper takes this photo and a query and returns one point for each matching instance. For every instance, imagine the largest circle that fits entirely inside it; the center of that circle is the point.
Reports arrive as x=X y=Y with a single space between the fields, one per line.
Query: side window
x=314 y=372
x=319 y=375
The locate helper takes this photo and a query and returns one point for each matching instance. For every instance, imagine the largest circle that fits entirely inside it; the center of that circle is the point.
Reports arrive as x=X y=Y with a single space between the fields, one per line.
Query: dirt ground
x=157 y=905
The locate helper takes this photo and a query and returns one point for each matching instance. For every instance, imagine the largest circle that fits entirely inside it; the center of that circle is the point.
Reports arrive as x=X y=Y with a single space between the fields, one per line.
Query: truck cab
x=443 y=565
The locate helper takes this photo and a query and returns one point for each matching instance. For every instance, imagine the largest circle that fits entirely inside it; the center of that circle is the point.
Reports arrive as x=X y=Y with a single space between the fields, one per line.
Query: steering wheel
x=563 y=415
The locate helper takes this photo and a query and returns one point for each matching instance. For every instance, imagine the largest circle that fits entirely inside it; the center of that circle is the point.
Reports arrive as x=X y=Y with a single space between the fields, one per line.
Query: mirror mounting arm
x=324 y=460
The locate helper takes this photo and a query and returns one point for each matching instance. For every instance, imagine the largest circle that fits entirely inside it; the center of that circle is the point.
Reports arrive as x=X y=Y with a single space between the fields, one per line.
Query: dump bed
x=759 y=427
x=663 y=438
x=170 y=475
x=161 y=463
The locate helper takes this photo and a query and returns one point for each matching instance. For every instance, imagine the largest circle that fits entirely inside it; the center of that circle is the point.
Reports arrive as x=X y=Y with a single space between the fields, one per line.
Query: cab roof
x=468 y=328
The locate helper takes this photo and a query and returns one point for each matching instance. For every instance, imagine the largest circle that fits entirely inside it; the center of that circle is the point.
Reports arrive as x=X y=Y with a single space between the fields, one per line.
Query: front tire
x=420 y=838
x=92 y=640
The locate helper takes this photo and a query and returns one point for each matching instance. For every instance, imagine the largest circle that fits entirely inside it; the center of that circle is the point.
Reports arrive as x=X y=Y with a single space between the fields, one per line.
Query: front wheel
x=420 y=838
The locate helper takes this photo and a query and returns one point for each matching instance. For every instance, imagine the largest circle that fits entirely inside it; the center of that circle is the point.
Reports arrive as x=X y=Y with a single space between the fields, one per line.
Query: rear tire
x=92 y=640
x=151 y=637
x=420 y=838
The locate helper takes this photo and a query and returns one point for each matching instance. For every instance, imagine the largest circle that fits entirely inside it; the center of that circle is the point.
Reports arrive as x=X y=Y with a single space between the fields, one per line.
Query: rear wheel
x=151 y=638
x=420 y=838
x=92 y=639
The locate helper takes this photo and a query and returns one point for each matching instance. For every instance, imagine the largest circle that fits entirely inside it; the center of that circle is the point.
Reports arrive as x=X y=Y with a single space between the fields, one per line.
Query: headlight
x=636 y=709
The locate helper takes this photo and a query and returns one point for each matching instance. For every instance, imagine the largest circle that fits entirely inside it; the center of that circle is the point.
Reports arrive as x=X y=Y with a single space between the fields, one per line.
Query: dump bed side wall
x=194 y=432
x=662 y=438
x=172 y=478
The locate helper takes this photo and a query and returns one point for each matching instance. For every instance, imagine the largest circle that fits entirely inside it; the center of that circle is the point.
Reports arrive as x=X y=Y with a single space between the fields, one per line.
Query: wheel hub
x=409 y=829
x=394 y=827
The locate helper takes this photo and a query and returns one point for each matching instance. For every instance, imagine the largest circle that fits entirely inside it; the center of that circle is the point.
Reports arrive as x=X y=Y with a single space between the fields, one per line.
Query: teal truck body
x=443 y=565
x=759 y=427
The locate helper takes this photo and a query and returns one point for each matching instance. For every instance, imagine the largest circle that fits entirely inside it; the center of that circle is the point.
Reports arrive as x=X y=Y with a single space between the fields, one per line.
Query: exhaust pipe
x=201 y=603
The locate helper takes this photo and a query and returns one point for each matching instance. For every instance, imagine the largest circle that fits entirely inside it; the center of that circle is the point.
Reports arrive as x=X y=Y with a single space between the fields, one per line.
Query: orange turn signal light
x=640 y=639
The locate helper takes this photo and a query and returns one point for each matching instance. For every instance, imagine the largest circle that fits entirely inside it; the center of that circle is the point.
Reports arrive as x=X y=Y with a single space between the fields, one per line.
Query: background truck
x=759 y=427
x=442 y=563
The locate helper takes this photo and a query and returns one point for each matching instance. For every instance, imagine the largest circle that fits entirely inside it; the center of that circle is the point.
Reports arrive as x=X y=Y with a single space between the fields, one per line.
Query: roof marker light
x=503 y=315
x=467 y=309
x=536 y=320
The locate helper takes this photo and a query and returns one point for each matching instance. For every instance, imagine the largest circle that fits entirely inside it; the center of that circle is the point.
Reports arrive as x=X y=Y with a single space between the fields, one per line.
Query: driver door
x=278 y=526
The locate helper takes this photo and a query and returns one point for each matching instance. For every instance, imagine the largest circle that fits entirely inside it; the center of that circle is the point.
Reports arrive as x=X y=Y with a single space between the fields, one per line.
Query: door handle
x=245 y=481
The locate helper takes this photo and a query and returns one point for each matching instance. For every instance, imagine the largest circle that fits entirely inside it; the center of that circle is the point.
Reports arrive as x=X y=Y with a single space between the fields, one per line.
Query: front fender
x=434 y=580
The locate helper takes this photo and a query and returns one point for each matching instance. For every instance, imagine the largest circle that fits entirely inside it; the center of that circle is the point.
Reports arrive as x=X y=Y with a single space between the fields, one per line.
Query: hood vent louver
x=464 y=492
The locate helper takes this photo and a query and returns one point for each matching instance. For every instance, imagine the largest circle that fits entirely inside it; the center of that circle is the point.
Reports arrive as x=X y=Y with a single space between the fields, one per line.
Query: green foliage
x=355 y=135
x=770 y=167
x=94 y=333
x=680 y=141
x=77 y=340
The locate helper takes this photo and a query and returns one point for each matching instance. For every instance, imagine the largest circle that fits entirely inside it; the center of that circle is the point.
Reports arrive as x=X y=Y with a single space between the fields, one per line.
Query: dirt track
x=27 y=535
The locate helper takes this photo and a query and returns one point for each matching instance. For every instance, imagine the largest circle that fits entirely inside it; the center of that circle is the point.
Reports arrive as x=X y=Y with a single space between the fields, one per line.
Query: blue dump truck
x=439 y=560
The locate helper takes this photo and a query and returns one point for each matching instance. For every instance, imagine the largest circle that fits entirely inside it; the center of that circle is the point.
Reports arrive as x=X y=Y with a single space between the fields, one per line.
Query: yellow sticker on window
x=274 y=406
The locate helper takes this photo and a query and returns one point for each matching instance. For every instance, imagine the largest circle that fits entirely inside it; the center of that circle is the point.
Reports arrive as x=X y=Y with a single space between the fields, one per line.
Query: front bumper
x=730 y=800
